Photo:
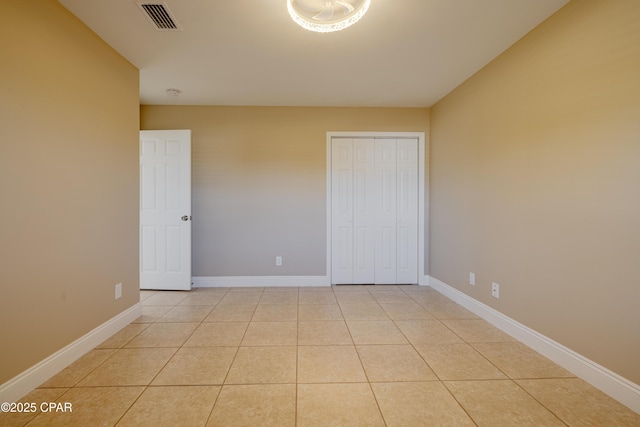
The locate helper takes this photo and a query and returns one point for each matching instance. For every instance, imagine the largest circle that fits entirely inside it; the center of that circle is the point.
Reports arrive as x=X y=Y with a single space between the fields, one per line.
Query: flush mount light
x=325 y=16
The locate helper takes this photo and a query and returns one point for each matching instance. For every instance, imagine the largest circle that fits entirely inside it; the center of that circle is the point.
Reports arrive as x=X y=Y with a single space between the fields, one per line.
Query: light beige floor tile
x=337 y=405
x=280 y=298
x=124 y=335
x=476 y=330
x=79 y=369
x=255 y=405
x=375 y=332
x=396 y=297
x=217 y=334
x=151 y=313
x=363 y=289
x=449 y=311
x=263 y=365
x=327 y=364
x=231 y=313
x=163 y=335
x=129 y=366
x=354 y=298
x=579 y=404
x=144 y=294
x=458 y=362
x=427 y=332
x=93 y=406
x=186 y=313
x=312 y=312
x=172 y=406
x=165 y=298
x=317 y=298
x=275 y=313
x=519 y=361
x=363 y=312
x=500 y=403
x=240 y=298
x=428 y=296
x=271 y=333
x=419 y=404
x=406 y=311
x=281 y=289
x=315 y=289
x=197 y=366
x=36 y=397
x=248 y=289
x=203 y=298
x=384 y=363
x=324 y=333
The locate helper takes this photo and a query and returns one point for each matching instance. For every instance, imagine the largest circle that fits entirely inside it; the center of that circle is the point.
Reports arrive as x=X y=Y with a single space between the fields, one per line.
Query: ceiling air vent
x=160 y=16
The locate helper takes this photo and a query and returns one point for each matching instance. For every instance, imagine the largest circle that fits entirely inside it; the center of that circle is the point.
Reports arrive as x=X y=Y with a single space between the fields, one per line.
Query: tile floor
x=342 y=356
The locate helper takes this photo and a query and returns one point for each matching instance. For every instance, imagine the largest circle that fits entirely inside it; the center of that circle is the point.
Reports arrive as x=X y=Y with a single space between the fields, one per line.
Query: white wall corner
x=612 y=384
x=259 y=281
x=33 y=377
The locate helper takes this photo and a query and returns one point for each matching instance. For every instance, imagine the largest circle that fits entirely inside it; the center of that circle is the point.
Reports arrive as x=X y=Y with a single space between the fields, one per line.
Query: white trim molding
x=619 y=388
x=28 y=380
x=258 y=281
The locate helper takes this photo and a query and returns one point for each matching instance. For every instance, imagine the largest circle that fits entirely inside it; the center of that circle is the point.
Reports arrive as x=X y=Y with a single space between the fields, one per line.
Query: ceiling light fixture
x=325 y=16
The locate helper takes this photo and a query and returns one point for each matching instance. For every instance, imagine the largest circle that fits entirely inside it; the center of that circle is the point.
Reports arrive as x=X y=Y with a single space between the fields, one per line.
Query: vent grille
x=160 y=16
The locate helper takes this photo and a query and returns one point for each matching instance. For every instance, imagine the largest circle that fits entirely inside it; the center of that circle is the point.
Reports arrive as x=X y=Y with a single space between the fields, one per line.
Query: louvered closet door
x=374 y=195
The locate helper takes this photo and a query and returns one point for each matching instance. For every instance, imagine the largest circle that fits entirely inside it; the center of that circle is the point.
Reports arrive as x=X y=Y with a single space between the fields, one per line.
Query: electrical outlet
x=279 y=261
x=495 y=290
x=118 y=290
x=472 y=279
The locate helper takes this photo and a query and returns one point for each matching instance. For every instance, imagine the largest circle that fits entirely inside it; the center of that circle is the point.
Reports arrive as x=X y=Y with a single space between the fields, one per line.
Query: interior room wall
x=69 y=120
x=259 y=181
x=535 y=182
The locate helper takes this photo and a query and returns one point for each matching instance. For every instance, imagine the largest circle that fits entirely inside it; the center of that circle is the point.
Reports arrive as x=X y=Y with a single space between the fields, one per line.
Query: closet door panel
x=363 y=210
x=342 y=211
x=386 y=217
x=407 y=210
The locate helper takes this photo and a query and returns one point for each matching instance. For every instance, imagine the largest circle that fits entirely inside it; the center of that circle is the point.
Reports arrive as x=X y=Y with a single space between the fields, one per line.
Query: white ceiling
x=403 y=53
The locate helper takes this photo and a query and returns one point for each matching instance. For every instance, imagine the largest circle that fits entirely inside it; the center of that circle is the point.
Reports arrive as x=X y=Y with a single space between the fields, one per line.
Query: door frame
x=423 y=251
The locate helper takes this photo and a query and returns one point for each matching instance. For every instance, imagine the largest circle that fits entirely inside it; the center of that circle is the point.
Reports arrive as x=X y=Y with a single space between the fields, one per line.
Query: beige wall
x=69 y=120
x=259 y=181
x=535 y=182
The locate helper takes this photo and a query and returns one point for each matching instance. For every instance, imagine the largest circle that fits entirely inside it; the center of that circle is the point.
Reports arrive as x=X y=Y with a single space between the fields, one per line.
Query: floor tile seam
x=459 y=403
x=478 y=352
x=345 y=321
x=94 y=369
x=520 y=387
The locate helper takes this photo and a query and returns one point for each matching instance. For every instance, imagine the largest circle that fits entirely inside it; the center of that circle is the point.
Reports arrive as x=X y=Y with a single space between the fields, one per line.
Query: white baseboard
x=619 y=388
x=259 y=281
x=28 y=380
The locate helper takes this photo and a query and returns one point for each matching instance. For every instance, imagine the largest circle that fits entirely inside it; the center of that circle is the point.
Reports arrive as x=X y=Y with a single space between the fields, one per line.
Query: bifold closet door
x=374 y=196
x=352 y=200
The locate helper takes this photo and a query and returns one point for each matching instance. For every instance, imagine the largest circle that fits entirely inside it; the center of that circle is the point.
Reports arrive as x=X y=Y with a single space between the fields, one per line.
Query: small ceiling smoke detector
x=159 y=15
x=173 y=92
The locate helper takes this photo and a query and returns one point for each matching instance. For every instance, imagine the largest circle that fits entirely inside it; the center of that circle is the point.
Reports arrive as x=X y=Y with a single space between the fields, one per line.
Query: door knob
x=185 y=217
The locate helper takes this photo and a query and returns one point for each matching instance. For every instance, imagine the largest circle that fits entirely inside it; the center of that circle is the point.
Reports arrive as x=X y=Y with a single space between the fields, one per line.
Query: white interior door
x=374 y=196
x=165 y=210
x=364 y=203
x=342 y=211
x=386 y=218
x=407 y=210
